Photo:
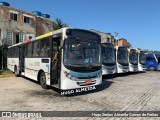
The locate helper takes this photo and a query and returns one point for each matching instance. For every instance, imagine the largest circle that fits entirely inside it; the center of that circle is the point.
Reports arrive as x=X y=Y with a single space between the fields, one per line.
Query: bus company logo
x=6 y=114
x=36 y=63
x=78 y=90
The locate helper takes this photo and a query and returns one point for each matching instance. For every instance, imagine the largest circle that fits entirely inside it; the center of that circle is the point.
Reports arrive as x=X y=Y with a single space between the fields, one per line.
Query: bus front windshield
x=82 y=55
x=142 y=58
x=108 y=54
x=122 y=56
x=133 y=57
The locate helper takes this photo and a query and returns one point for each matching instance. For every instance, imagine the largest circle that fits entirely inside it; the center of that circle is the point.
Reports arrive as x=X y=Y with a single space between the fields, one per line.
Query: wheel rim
x=152 y=68
x=43 y=80
x=15 y=71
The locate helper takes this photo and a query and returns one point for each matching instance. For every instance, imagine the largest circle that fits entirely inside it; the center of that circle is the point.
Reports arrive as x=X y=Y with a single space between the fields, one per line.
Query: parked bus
x=153 y=61
x=67 y=58
x=133 y=60
x=141 y=61
x=108 y=58
x=122 y=64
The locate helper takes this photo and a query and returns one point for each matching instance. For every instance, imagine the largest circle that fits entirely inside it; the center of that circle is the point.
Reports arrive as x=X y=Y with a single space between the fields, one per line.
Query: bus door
x=21 y=58
x=55 y=69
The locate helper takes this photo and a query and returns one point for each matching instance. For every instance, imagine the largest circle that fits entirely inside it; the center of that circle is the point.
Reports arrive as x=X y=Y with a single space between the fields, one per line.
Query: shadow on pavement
x=101 y=87
x=110 y=76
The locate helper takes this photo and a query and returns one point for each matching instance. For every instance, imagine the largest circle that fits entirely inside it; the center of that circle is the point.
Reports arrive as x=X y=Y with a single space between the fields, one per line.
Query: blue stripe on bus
x=84 y=74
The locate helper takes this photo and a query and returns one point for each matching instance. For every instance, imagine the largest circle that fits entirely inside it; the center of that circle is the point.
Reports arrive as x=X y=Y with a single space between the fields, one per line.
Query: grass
x=6 y=73
x=2 y=72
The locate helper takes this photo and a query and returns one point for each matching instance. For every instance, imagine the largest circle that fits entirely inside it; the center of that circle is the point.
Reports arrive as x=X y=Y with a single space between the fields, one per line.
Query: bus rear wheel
x=43 y=81
x=151 y=68
x=16 y=71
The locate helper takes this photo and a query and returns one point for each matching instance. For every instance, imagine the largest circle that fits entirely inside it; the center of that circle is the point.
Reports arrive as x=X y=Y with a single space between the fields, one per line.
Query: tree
x=57 y=24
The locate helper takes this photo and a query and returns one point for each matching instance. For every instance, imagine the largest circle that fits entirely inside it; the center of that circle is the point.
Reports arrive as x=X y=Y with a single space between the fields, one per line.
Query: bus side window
x=29 y=50
x=150 y=57
x=36 y=50
x=16 y=51
x=9 y=53
x=54 y=47
x=44 y=47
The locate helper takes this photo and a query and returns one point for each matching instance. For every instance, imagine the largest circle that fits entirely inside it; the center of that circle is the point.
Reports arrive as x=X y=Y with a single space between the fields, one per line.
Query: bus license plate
x=88 y=82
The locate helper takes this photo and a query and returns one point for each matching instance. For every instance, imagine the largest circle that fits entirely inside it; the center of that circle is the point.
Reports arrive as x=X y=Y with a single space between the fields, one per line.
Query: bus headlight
x=69 y=76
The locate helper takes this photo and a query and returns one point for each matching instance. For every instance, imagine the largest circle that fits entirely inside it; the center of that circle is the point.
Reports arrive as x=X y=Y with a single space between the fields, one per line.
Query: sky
x=138 y=21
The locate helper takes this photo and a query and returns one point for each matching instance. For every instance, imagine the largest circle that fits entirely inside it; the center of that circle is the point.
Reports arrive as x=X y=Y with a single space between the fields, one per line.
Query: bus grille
x=87 y=77
x=84 y=83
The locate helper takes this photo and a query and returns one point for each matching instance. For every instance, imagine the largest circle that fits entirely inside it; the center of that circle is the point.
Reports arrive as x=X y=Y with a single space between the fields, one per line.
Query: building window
x=108 y=39
x=13 y=16
x=9 y=37
x=30 y=37
x=21 y=37
x=27 y=20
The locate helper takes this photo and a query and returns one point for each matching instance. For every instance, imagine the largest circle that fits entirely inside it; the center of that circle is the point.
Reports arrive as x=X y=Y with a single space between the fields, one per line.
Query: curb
x=7 y=75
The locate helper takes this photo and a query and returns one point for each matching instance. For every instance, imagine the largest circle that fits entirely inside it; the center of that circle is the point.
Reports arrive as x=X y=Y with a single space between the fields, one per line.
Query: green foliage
x=146 y=50
x=5 y=72
x=58 y=24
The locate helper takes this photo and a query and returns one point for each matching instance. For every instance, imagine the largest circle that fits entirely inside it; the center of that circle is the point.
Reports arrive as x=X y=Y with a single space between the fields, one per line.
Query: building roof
x=29 y=13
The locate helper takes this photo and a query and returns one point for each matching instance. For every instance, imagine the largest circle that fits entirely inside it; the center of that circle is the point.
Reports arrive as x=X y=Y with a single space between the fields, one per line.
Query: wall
x=123 y=42
x=38 y=26
x=105 y=37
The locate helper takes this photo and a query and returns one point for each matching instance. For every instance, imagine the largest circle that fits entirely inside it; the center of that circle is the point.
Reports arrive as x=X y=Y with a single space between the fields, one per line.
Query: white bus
x=122 y=64
x=141 y=60
x=133 y=60
x=67 y=58
x=108 y=58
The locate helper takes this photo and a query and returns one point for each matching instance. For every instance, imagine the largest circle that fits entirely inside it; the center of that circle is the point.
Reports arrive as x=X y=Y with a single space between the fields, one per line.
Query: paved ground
x=124 y=92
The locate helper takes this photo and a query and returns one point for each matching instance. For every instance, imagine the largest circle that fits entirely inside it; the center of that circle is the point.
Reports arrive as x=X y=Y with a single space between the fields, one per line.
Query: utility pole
x=116 y=35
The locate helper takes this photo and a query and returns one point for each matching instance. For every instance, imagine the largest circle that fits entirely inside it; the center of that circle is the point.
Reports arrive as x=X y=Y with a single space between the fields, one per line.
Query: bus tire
x=151 y=68
x=42 y=80
x=16 y=71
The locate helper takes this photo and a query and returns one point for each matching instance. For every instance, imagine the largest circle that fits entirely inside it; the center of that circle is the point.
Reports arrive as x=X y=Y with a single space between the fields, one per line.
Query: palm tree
x=57 y=24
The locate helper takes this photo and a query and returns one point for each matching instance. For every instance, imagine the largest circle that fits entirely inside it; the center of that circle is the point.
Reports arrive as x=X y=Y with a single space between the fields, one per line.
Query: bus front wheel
x=43 y=81
x=151 y=68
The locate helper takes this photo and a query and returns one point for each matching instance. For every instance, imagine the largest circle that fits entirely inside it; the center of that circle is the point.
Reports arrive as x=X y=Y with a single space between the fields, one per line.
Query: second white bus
x=122 y=64
x=108 y=58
